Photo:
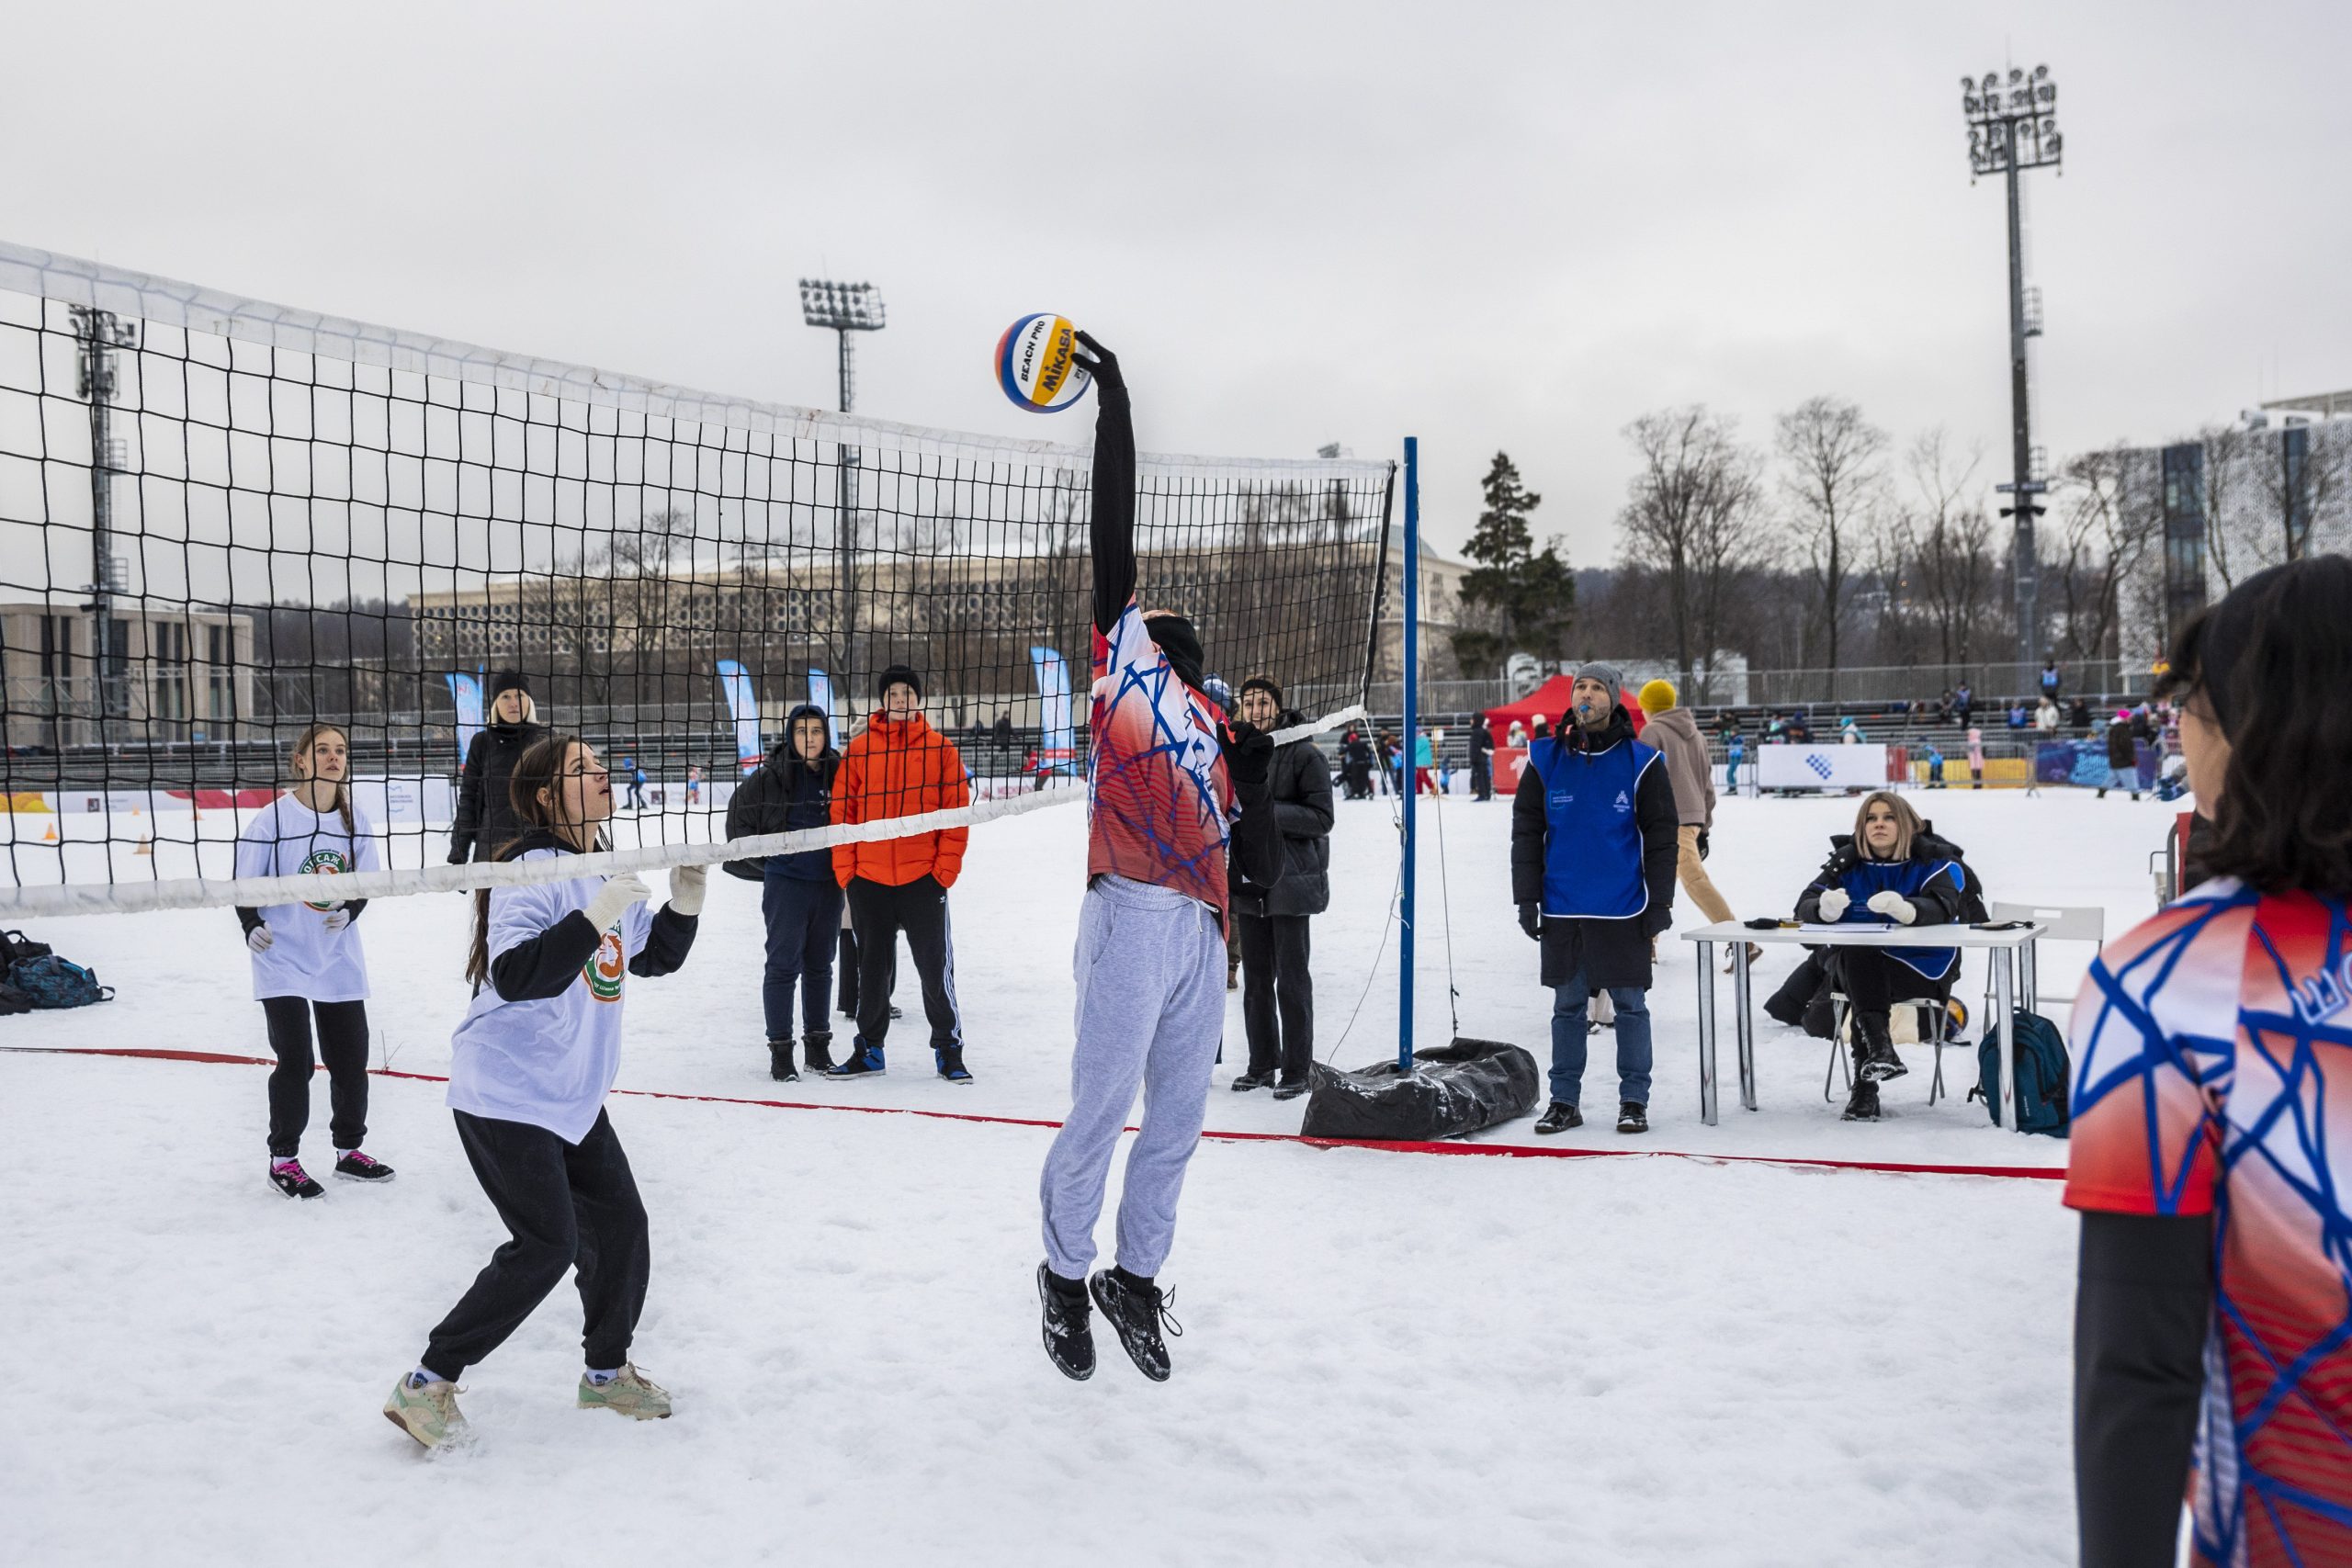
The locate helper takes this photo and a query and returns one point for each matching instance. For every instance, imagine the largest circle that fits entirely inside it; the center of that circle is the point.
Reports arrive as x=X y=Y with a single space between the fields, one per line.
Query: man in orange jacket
x=901 y=767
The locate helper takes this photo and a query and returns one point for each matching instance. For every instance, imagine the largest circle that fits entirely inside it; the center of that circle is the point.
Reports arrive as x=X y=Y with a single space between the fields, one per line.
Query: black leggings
x=342 y=1040
x=1874 y=982
x=568 y=1207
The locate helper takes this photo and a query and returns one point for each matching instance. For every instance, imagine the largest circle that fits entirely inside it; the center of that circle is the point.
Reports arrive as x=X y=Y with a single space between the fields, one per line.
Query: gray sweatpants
x=1150 y=970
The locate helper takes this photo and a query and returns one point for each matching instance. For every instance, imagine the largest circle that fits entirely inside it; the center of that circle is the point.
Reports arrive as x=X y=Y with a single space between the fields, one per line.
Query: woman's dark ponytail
x=538 y=768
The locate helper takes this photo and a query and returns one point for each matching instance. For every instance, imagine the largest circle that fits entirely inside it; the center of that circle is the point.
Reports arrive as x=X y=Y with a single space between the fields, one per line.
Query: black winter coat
x=783 y=794
x=1298 y=788
x=485 y=818
x=2121 y=755
x=1609 y=952
x=1926 y=845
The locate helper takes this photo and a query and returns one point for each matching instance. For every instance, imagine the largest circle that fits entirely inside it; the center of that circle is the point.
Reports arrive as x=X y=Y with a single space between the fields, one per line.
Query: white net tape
x=198 y=892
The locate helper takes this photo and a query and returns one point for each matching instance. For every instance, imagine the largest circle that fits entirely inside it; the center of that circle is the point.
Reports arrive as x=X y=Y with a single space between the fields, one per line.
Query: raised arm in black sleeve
x=2143 y=1301
x=1113 y=533
x=541 y=966
x=666 y=943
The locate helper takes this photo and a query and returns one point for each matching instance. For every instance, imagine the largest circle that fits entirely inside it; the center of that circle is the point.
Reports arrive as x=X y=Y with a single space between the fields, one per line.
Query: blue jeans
x=804 y=915
x=1568 y=1004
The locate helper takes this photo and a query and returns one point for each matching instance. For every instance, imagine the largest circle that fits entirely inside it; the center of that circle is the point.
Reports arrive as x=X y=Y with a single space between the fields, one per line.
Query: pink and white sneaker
x=290 y=1179
x=353 y=1166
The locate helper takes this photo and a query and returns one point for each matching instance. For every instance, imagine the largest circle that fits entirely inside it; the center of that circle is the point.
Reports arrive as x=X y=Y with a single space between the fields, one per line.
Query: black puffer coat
x=783 y=794
x=1299 y=788
x=485 y=818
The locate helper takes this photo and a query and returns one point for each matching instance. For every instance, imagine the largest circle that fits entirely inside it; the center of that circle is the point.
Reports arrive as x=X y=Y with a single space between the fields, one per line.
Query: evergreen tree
x=1515 y=599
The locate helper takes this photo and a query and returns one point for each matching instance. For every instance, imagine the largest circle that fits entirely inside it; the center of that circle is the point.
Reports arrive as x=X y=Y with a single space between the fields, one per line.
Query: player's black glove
x=1702 y=843
x=1531 y=920
x=1099 y=363
x=1249 y=756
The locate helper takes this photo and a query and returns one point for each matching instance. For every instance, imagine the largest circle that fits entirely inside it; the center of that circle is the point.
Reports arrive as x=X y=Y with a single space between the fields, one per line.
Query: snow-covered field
x=1389 y=1357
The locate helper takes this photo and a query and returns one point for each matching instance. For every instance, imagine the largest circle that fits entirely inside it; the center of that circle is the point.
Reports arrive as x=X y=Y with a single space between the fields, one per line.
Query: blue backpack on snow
x=53 y=982
x=2045 y=1075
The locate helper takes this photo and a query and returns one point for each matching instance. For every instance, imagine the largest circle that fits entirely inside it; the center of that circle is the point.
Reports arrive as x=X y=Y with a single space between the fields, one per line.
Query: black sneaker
x=1249 y=1081
x=1633 y=1117
x=289 y=1177
x=780 y=1066
x=1558 y=1118
x=820 y=1049
x=1290 y=1089
x=1069 y=1333
x=1137 y=1310
x=351 y=1165
x=950 y=1059
x=863 y=1062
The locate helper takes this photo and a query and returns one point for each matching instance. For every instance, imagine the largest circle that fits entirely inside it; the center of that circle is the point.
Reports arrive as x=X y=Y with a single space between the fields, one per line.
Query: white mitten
x=1895 y=906
x=259 y=938
x=337 y=918
x=1833 y=905
x=617 y=894
x=687 y=888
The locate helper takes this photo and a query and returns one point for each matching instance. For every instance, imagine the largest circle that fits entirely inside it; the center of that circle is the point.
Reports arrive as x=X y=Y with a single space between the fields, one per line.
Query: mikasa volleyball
x=1037 y=363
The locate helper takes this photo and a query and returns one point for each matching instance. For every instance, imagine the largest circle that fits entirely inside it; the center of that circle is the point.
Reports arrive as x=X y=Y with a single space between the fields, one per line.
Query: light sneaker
x=632 y=1395
x=427 y=1411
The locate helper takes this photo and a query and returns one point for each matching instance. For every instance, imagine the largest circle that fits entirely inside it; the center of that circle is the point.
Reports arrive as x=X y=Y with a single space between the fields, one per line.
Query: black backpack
x=2045 y=1076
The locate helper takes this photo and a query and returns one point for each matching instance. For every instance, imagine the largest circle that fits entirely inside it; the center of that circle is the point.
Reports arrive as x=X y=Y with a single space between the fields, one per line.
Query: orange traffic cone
x=146 y=845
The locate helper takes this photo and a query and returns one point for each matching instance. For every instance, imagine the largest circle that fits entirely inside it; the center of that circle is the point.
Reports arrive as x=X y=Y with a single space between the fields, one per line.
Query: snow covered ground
x=1389 y=1358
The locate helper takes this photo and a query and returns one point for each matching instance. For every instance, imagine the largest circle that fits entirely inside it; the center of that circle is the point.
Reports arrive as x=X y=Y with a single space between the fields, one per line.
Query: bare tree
x=2110 y=529
x=2302 y=475
x=1689 y=516
x=1949 y=542
x=1835 y=487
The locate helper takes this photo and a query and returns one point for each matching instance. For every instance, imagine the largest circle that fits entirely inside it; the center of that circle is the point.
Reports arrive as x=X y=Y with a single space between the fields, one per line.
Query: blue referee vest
x=1592 y=849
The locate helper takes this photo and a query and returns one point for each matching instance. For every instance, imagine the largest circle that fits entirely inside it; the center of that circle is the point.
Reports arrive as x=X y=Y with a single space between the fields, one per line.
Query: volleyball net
x=223 y=522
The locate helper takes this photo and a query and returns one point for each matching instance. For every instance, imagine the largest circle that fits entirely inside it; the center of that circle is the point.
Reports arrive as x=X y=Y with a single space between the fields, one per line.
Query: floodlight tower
x=2012 y=127
x=845 y=307
x=100 y=334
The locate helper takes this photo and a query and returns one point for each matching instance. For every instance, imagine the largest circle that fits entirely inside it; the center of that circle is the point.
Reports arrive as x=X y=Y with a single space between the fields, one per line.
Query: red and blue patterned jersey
x=2213 y=1075
x=1156 y=792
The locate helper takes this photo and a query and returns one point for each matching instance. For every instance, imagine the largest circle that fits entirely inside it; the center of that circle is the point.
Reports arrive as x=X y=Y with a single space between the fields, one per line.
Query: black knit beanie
x=1264 y=683
x=892 y=676
x=509 y=681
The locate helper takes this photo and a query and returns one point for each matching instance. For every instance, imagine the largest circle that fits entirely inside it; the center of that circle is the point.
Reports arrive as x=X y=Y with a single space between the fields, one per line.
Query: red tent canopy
x=1550 y=701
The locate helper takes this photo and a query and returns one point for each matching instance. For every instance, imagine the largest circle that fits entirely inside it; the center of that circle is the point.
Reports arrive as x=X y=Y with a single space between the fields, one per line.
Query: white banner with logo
x=1821 y=767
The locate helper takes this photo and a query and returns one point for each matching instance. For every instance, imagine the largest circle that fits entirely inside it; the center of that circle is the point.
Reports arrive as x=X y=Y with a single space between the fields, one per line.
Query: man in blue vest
x=1592 y=850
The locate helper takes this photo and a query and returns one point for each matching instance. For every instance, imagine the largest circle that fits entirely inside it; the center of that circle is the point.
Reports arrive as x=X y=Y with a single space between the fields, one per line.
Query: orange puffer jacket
x=900 y=768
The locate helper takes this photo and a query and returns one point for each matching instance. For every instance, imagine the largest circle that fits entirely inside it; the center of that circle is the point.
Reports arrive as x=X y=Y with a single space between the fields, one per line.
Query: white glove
x=617 y=894
x=1833 y=905
x=338 y=917
x=259 y=938
x=1895 y=906
x=687 y=887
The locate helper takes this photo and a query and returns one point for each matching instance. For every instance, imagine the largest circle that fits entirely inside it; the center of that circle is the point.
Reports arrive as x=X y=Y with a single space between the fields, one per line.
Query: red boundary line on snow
x=1386 y=1145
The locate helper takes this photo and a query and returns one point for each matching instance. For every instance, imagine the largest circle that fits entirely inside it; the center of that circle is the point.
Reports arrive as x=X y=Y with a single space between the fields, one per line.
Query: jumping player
x=530 y=1066
x=308 y=963
x=1165 y=779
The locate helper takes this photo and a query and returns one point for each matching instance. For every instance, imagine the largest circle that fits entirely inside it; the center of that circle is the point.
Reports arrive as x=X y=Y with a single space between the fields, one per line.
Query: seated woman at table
x=1889 y=871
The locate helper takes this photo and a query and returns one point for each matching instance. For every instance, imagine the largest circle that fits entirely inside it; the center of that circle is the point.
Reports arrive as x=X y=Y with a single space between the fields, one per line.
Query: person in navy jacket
x=1892 y=871
x=1593 y=841
x=800 y=900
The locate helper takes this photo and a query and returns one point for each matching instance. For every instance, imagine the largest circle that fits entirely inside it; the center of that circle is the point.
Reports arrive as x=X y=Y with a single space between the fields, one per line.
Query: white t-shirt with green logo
x=286 y=838
x=550 y=1061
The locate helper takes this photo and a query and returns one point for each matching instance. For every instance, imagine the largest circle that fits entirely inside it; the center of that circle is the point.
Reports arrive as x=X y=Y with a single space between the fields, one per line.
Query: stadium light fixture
x=842 y=308
x=2012 y=127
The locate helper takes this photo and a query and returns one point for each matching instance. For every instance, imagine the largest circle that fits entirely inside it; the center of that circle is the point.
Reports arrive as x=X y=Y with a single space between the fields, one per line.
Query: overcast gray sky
x=1511 y=226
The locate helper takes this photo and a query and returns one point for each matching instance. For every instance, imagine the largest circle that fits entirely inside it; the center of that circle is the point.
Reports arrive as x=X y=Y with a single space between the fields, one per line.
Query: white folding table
x=2012 y=954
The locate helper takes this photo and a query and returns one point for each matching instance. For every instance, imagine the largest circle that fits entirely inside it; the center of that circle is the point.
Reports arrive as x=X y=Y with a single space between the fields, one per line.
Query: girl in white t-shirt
x=308 y=963
x=529 y=1068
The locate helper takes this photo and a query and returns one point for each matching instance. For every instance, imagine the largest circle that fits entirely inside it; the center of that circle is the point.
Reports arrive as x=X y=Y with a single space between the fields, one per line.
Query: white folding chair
x=2077 y=922
x=1932 y=1029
